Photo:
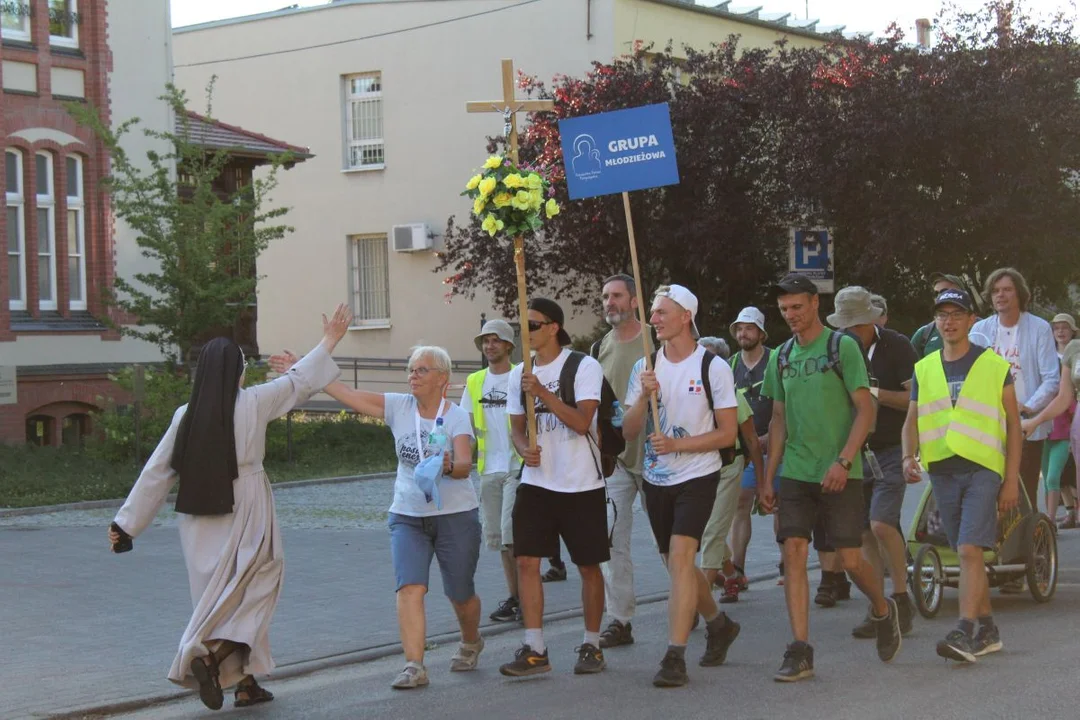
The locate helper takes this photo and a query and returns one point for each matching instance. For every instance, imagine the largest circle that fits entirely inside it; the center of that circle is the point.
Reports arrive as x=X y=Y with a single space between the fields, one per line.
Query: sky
x=857 y=15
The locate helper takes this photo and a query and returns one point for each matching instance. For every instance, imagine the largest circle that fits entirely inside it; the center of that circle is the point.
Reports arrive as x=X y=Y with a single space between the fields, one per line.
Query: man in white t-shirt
x=561 y=494
x=484 y=398
x=681 y=468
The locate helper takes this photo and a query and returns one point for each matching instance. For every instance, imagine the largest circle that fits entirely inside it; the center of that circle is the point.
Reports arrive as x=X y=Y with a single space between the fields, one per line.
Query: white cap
x=750 y=315
x=687 y=300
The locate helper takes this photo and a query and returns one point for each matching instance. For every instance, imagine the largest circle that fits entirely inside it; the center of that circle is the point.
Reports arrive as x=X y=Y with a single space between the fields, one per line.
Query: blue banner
x=618 y=151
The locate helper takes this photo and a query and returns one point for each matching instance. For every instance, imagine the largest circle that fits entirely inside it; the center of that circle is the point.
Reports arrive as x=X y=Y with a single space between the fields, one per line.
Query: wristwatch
x=844 y=463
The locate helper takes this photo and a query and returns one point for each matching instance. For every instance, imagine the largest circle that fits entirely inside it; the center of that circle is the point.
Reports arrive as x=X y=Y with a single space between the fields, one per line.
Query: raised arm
x=365 y=402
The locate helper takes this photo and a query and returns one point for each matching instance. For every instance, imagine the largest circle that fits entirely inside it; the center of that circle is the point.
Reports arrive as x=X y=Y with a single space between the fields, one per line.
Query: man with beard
x=617 y=352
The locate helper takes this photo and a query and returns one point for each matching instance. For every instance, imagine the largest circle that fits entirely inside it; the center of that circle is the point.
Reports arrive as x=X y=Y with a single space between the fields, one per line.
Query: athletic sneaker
x=888 y=633
x=732 y=586
x=958 y=646
x=718 y=642
x=1014 y=587
x=590 y=659
x=412 y=676
x=616 y=634
x=509 y=611
x=867 y=629
x=672 y=672
x=555 y=573
x=798 y=663
x=467 y=656
x=526 y=662
x=825 y=597
x=987 y=640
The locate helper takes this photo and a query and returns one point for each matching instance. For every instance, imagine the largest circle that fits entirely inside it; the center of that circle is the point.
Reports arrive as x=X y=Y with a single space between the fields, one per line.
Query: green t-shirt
x=817 y=406
x=927 y=340
x=742 y=413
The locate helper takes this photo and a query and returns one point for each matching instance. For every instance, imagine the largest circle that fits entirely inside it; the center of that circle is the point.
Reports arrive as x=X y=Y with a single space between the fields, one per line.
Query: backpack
x=611 y=443
x=923 y=334
x=832 y=361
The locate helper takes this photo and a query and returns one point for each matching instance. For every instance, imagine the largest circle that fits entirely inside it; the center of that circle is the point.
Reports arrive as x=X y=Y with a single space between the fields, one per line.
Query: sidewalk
x=85 y=628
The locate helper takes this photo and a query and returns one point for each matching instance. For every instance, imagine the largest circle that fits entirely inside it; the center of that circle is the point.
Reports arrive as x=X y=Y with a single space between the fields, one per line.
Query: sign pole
x=640 y=304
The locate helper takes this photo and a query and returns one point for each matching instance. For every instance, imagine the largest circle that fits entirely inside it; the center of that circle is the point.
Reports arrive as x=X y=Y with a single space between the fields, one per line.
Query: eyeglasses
x=535 y=325
x=420 y=372
x=947 y=316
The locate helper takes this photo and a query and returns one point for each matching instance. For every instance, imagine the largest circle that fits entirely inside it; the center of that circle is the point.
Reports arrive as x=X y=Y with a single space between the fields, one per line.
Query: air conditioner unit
x=410 y=238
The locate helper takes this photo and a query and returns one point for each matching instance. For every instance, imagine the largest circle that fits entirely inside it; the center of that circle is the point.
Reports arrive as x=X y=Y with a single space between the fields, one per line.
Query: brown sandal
x=255 y=694
x=206 y=672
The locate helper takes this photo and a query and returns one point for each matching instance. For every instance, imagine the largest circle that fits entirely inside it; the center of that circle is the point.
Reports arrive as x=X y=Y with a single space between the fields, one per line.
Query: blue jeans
x=454 y=540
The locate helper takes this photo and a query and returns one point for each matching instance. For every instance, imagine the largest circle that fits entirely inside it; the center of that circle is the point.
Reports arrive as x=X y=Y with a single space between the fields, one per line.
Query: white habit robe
x=235 y=562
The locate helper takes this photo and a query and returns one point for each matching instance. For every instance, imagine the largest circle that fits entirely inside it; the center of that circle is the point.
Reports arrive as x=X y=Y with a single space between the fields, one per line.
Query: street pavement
x=83 y=628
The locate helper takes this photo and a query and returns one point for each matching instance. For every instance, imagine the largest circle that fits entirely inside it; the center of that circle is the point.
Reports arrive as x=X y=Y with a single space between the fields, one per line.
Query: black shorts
x=682 y=509
x=542 y=516
x=834 y=519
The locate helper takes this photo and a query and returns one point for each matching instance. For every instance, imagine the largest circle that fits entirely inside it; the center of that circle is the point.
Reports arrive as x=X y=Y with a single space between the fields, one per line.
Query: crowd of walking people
x=824 y=431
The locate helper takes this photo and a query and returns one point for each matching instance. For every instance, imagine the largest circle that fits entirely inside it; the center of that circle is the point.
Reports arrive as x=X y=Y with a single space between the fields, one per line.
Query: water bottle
x=438 y=440
x=616 y=414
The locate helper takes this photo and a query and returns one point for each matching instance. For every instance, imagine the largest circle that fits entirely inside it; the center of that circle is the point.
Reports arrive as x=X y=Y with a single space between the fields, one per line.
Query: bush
x=165 y=389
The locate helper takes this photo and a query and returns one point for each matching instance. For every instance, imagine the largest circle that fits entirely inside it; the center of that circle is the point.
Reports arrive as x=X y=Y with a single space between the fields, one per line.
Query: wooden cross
x=510 y=106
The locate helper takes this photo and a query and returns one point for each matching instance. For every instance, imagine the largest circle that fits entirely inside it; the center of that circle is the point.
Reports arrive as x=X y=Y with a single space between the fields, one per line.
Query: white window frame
x=63 y=40
x=11 y=33
x=47 y=203
x=369 y=139
x=16 y=200
x=76 y=205
x=369 y=286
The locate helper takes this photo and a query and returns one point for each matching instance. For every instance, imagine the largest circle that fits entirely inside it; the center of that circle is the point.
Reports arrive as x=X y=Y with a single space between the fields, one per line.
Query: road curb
x=116 y=503
x=353 y=657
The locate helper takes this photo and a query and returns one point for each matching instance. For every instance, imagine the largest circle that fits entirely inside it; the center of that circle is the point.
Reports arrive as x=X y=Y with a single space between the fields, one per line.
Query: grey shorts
x=454 y=540
x=497 y=494
x=968 y=506
x=885 y=497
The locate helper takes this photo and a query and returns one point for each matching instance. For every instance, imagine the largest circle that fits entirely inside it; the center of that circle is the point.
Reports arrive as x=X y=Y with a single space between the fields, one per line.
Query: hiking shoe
x=717 y=643
x=866 y=630
x=907 y=612
x=732 y=586
x=467 y=655
x=509 y=611
x=987 y=640
x=957 y=646
x=616 y=634
x=555 y=574
x=672 y=672
x=589 y=660
x=526 y=662
x=412 y=676
x=798 y=663
x=888 y=633
x=825 y=597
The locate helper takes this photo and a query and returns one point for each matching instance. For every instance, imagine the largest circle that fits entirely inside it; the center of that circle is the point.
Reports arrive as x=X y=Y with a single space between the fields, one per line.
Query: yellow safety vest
x=475 y=384
x=975 y=428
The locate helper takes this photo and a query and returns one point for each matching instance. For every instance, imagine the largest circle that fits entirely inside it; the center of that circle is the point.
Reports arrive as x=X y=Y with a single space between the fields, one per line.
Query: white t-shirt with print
x=1007 y=345
x=684 y=412
x=568 y=461
x=456 y=495
x=497 y=447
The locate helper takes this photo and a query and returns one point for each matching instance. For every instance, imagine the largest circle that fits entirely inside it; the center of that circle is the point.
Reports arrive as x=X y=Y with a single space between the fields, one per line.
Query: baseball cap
x=499 y=328
x=685 y=299
x=958 y=298
x=752 y=316
x=938 y=276
x=551 y=310
x=793 y=284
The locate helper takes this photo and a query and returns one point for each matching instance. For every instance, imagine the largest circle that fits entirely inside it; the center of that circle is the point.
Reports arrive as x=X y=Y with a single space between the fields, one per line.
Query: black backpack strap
x=833 y=361
x=783 y=361
x=567 y=376
x=594 y=351
x=706 y=384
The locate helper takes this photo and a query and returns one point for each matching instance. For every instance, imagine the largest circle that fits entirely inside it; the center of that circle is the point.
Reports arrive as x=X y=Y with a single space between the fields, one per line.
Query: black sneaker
x=509 y=611
x=672 y=672
x=987 y=640
x=526 y=662
x=798 y=663
x=907 y=612
x=888 y=633
x=718 y=642
x=555 y=573
x=589 y=660
x=957 y=646
x=866 y=630
x=616 y=634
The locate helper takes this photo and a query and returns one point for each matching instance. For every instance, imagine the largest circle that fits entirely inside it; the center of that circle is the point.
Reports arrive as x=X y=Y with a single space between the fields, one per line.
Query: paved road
x=82 y=628
x=1034 y=677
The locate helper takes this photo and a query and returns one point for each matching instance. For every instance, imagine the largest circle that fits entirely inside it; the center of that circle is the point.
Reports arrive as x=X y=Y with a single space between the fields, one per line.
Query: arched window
x=76 y=233
x=16 y=230
x=46 y=231
x=39 y=430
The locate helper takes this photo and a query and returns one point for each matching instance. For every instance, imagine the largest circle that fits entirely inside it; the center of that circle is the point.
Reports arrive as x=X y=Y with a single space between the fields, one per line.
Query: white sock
x=592 y=638
x=535 y=640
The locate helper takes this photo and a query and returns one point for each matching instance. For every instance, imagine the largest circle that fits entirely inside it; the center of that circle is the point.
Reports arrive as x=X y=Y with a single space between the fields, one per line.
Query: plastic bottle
x=438 y=440
x=616 y=414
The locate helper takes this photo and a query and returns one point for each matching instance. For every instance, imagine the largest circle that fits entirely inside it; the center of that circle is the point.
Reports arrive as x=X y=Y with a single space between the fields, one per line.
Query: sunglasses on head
x=535 y=325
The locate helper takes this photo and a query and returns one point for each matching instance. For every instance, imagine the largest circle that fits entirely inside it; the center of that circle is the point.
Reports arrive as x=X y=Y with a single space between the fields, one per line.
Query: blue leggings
x=1054 y=456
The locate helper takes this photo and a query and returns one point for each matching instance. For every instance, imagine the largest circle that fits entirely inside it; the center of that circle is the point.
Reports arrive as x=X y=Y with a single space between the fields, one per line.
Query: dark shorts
x=542 y=516
x=834 y=519
x=682 y=509
x=884 y=498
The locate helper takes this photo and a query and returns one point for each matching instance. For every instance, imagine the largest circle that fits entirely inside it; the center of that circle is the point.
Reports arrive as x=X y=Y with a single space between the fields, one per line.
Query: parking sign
x=812 y=254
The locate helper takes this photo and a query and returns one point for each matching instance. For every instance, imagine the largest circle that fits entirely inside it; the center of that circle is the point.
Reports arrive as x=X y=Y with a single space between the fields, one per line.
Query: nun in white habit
x=228 y=528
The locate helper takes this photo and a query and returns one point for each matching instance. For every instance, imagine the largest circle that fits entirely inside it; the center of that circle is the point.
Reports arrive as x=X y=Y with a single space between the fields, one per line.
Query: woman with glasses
x=439 y=519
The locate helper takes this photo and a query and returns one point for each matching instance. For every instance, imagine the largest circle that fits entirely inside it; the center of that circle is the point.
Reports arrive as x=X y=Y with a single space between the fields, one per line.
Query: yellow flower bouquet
x=510 y=200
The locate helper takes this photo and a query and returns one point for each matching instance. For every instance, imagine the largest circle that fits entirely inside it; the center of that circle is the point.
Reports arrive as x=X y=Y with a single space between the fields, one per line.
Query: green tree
x=203 y=241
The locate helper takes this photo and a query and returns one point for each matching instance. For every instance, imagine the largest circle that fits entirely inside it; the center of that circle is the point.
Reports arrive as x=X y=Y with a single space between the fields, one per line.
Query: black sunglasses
x=535 y=325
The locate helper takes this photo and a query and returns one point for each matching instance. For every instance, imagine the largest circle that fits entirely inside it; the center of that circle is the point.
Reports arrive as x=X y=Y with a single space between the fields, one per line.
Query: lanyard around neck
x=416 y=418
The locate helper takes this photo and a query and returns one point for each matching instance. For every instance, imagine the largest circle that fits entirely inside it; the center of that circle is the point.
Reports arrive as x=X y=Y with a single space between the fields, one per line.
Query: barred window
x=370 y=279
x=364 y=147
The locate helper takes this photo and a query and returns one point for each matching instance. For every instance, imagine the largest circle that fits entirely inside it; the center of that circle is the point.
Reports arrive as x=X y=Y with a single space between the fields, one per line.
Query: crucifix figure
x=509 y=106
